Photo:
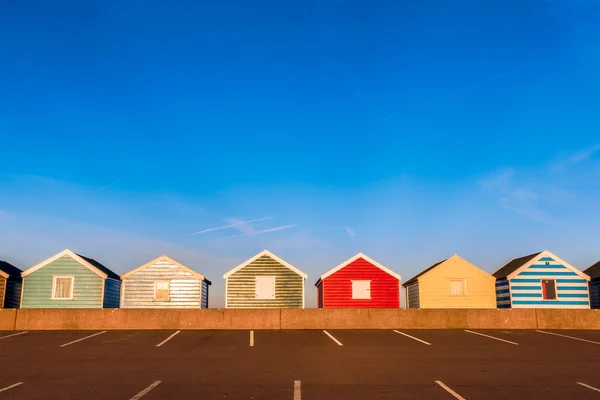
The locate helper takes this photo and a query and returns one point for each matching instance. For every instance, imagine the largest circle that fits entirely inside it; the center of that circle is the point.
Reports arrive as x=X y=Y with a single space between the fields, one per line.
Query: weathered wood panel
x=241 y=286
x=185 y=290
x=595 y=293
x=87 y=289
x=413 y=295
x=2 y=291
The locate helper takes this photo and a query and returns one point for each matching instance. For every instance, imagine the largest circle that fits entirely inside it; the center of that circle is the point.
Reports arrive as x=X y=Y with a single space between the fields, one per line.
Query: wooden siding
x=320 y=295
x=572 y=291
x=112 y=293
x=479 y=286
x=337 y=288
x=2 y=290
x=289 y=286
x=204 y=299
x=186 y=289
x=595 y=293
x=502 y=294
x=87 y=291
x=12 y=297
x=412 y=291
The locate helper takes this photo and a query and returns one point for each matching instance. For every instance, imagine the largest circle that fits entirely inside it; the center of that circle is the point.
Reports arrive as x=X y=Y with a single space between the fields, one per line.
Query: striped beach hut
x=594 y=273
x=164 y=283
x=541 y=280
x=264 y=281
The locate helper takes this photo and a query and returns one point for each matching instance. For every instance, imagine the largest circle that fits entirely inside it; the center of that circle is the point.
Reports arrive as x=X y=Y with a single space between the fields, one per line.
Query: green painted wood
x=87 y=291
x=242 y=284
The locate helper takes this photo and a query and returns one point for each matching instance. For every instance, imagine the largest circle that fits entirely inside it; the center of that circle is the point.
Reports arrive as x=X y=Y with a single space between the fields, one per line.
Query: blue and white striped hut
x=541 y=280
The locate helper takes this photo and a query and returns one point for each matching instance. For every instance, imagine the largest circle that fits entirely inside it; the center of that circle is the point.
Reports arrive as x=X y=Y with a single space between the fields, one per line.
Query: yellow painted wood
x=434 y=286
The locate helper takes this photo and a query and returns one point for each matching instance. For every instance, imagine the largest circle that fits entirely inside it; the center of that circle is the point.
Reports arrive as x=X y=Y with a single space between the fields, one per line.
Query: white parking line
x=167 y=339
x=569 y=337
x=84 y=338
x=11 y=386
x=251 y=338
x=297 y=391
x=414 y=338
x=492 y=337
x=14 y=334
x=145 y=391
x=452 y=392
x=334 y=339
x=588 y=386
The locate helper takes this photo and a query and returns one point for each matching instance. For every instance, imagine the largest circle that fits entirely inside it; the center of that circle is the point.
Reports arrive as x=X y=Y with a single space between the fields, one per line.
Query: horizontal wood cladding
x=112 y=293
x=87 y=289
x=185 y=289
x=12 y=296
x=412 y=291
x=289 y=286
x=2 y=290
x=337 y=288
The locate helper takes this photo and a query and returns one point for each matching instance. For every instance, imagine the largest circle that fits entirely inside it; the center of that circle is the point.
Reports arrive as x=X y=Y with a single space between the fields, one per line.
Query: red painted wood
x=337 y=288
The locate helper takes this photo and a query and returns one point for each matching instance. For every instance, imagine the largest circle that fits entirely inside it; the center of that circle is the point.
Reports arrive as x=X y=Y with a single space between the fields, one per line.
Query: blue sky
x=409 y=131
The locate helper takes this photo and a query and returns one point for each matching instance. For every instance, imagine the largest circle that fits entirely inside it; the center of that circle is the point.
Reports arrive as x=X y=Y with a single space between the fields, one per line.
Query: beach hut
x=264 y=281
x=10 y=285
x=69 y=280
x=359 y=282
x=594 y=273
x=164 y=283
x=451 y=283
x=541 y=280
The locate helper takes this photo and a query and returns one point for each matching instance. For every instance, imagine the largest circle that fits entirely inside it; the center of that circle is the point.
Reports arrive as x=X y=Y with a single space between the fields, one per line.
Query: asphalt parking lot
x=310 y=364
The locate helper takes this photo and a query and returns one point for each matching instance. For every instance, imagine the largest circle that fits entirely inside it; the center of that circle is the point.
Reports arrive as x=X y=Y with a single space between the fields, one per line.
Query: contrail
x=279 y=228
x=228 y=226
x=109 y=185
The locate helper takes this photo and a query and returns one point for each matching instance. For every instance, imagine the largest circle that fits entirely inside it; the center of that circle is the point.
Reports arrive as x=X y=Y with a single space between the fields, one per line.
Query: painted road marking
x=251 y=338
x=588 y=386
x=569 y=337
x=334 y=339
x=492 y=337
x=297 y=390
x=14 y=334
x=11 y=386
x=452 y=392
x=414 y=338
x=145 y=391
x=167 y=339
x=79 y=340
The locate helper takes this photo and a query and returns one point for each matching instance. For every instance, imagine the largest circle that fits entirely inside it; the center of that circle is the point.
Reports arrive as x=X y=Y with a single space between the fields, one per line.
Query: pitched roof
x=101 y=267
x=89 y=263
x=8 y=270
x=170 y=260
x=351 y=260
x=414 y=278
x=593 y=271
x=514 y=265
x=259 y=255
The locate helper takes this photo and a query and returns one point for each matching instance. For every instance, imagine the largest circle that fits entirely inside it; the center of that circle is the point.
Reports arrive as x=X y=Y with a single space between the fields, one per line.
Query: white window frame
x=464 y=287
x=354 y=297
x=54 y=278
x=256 y=279
x=169 y=289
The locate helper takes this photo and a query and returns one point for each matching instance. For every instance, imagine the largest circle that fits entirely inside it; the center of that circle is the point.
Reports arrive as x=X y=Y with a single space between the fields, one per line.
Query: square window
x=457 y=287
x=361 y=289
x=549 y=289
x=162 y=290
x=265 y=287
x=62 y=287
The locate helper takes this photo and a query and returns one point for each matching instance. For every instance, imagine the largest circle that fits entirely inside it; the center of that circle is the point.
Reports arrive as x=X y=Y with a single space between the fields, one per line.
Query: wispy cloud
x=350 y=232
x=577 y=158
x=110 y=184
x=234 y=223
x=251 y=232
